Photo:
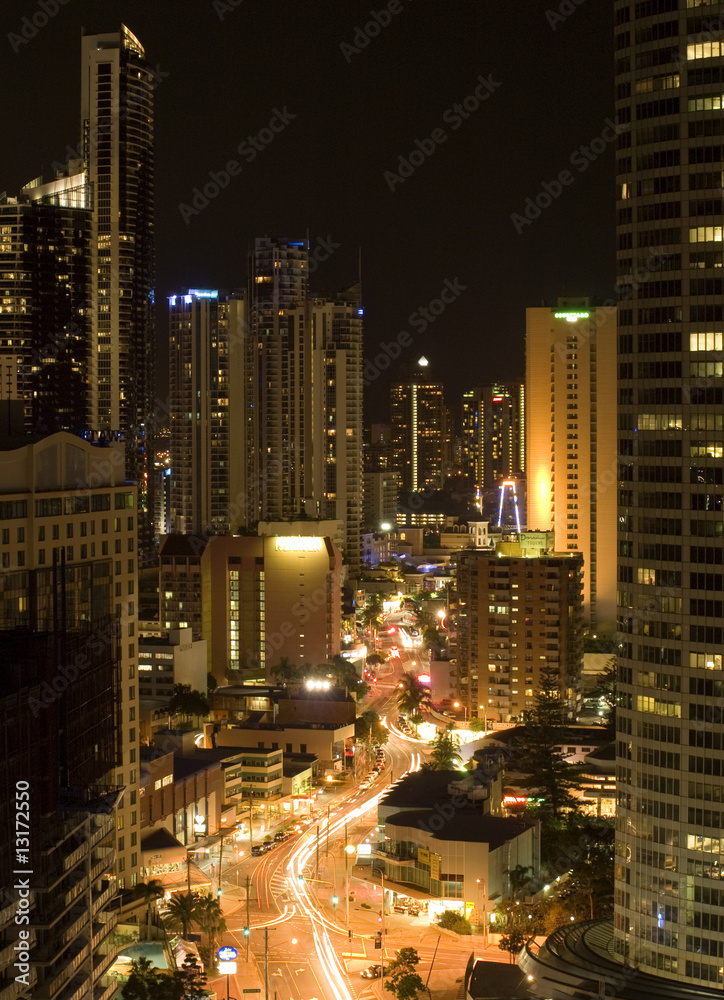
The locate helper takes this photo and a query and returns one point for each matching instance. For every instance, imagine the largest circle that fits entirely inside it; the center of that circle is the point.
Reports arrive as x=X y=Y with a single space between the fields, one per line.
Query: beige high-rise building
x=68 y=541
x=517 y=617
x=571 y=463
x=267 y=598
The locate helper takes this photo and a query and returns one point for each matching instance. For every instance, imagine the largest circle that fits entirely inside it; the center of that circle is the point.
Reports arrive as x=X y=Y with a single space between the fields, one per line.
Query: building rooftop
x=467 y=825
x=160 y=840
x=421 y=788
x=292 y=768
x=183 y=545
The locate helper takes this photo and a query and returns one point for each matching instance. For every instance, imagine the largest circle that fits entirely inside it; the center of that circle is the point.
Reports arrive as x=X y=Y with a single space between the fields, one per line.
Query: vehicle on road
x=371 y=972
x=282 y=836
x=257 y=849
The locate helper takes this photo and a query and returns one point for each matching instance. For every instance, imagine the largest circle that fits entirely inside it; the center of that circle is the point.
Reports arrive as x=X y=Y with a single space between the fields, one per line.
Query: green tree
x=211 y=921
x=606 y=690
x=405 y=960
x=476 y=725
x=142 y=983
x=453 y=921
x=536 y=752
x=368 y=729
x=188 y=703
x=406 y=986
x=584 y=850
x=445 y=752
x=412 y=696
x=371 y=613
x=192 y=979
x=149 y=892
x=374 y=659
x=181 y=913
x=285 y=672
x=404 y=982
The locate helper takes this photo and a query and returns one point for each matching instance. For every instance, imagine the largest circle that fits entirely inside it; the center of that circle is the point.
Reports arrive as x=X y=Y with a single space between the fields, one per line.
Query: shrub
x=452 y=921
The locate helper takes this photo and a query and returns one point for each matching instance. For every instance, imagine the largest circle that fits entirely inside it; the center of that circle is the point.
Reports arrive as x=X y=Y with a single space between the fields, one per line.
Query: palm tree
x=182 y=913
x=371 y=613
x=445 y=755
x=149 y=892
x=412 y=696
x=211 y=920
x=285 y=672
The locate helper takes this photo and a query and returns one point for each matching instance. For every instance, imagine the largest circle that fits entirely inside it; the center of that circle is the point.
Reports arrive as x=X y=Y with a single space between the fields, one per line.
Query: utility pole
x=433 y=960
x=188 y=871
x=266 y=963
x=327 y=850
x=346 y=875
x=317 y=875
x=221 y=852
x=382 y=908
x=248 y=921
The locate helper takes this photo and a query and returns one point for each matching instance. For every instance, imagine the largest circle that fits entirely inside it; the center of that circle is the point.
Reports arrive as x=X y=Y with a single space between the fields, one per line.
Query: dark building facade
x=44 y=325
x=669 y=149
x=60 y=718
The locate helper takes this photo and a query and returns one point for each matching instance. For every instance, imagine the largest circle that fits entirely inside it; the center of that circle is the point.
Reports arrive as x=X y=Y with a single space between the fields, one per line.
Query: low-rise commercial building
x=441 y=842
x=325 y=740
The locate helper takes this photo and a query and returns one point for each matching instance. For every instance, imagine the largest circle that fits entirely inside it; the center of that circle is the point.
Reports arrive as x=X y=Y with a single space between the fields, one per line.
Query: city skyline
x=430 y=61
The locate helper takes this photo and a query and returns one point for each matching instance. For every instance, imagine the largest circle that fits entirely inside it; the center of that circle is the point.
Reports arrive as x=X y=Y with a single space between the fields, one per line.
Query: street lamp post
x=457 y=704
x=485 y=716
x=481 y=885
x=349 y=849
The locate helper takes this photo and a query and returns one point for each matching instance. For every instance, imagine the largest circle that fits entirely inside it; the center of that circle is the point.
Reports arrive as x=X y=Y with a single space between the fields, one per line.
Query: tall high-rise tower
x=570 y=393
x=303 y=395
x=417 y=413
x=278 y=369
x=44 y=321
x=206 y=388
x=493 y=433
x=117 y=86
x=669 y=849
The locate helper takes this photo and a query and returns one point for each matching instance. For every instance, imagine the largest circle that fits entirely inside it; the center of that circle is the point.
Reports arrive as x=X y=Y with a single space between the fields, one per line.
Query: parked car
x=282 y=836
x=257 y=849
x=371 y=972
x=268 y=845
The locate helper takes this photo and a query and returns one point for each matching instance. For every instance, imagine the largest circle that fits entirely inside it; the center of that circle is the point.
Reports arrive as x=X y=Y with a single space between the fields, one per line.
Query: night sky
x=223 y=69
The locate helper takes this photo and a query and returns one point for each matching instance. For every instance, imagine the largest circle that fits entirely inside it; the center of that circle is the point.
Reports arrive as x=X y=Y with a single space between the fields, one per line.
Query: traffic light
x=378 y=939
x=246 y=932
x=218 y=893
x=335 y=900
x=300 y=878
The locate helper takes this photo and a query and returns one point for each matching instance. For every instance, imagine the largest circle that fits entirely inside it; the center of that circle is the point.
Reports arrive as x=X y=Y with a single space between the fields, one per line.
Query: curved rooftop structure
x=577 y=961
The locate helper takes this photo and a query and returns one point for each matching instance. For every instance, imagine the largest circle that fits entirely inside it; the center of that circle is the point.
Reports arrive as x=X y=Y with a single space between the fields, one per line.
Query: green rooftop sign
x=572 y=316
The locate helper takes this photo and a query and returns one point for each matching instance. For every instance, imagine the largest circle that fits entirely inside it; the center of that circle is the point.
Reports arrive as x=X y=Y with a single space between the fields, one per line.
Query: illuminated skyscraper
x=44 y=320
x=417 y=414
x=303 y=395
x=493 y=428
x=571 y=441
x=117 y=85
x=206 y=383
x=278 y=379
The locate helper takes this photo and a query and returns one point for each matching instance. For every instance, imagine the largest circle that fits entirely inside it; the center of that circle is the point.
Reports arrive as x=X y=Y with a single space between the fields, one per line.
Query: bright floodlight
x=423 y=362
x=441 y=613
x=385 y=526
